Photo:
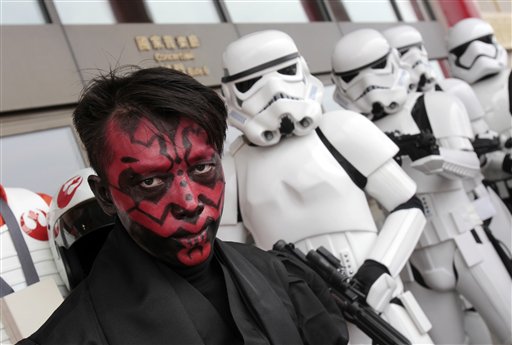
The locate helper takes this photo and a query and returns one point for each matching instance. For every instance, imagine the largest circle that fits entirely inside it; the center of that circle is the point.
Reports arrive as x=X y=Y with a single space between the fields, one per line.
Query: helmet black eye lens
x=403 y=51
x=348 y=77
x=289 y=70
x=381 y=64
x=246 y=85
x=458 y=51
x=486 y=39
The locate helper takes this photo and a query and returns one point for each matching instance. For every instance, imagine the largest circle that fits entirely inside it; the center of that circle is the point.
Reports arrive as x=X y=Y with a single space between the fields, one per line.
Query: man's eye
x=203 y=168
x=151 y=182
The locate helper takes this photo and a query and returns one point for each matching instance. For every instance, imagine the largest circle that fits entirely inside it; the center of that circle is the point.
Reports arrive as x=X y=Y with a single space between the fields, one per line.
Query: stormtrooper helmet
x=77 y=228
x=368 y=74
x=268 y=89
x=413 y=55
x=473 y=50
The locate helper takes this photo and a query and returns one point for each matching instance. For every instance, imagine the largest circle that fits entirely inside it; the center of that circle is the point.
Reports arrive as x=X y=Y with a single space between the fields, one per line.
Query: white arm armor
x=450 y=163
x=371 y=152
x=451 y=127
x=401 y=230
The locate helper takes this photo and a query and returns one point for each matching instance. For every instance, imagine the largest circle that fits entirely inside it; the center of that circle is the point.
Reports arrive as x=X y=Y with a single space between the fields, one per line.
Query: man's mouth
x=196 y=247
x=193 y=240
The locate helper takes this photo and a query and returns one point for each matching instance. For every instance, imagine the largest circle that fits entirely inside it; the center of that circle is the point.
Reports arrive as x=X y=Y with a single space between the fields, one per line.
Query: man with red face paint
x=155 y=137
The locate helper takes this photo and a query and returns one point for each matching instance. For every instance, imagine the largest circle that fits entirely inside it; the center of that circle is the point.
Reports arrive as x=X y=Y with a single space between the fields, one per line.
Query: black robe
x=131 y=298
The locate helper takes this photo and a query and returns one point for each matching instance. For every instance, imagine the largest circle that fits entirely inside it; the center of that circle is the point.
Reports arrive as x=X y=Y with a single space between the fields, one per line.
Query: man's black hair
x=130 y=93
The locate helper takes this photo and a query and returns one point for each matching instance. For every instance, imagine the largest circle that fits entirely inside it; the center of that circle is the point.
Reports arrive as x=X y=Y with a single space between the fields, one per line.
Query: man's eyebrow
x=203 y=153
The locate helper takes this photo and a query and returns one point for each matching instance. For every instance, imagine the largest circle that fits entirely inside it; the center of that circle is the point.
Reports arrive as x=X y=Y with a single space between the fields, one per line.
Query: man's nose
x=186 y=206
x=188 y=212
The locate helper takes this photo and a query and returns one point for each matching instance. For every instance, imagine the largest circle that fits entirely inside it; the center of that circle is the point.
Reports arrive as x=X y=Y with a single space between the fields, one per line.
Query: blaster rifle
x=415 y=146
x=486 y=145
x=347 y=295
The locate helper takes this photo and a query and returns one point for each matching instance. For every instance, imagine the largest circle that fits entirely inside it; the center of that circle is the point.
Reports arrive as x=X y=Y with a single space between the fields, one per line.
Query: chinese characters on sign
x=173 y=51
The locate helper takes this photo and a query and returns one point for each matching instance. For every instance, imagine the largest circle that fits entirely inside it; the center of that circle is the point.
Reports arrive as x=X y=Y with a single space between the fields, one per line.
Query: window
x=85 y=12
x=39 y=161
x=15 y=12
x=162 y=11
x=250 y=11
x=407 y=11
x=380 y=11
x=370 y=11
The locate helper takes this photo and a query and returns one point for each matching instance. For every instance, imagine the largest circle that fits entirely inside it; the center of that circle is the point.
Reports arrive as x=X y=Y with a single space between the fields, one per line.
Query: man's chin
x=195 y=255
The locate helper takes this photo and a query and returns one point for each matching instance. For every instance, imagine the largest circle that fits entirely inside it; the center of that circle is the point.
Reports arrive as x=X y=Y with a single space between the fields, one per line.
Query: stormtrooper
x=477 y=58
x=434 y=135
x=491 y=209
x=409 y=44
x=25 y=251
x=303 y=176
x=77 y=228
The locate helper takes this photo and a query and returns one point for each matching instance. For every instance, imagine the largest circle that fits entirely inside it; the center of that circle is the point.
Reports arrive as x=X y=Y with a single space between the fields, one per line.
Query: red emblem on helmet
x=33 y=223
x=3 y=196
x=67 y=191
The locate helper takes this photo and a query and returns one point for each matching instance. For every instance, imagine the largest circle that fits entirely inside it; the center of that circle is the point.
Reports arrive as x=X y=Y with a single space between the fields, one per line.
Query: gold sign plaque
x=173 y=52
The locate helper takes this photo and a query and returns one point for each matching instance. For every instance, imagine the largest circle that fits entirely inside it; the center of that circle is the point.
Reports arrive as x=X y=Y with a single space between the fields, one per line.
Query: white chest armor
x=447 y=207
x=297 y=189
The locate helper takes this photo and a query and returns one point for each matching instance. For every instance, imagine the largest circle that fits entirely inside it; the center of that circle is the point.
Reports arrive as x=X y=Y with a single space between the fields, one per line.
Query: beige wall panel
x=103 y=47
x=36 y=68
x=432 y=32
x=314 y=40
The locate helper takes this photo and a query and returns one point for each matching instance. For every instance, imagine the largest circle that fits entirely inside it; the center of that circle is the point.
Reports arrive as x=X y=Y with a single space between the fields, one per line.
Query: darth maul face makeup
x=167 y=185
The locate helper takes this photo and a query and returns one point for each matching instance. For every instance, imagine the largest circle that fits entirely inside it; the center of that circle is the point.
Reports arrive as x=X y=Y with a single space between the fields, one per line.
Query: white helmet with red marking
x=30 y=208
x=29 y=211
x=77 y=227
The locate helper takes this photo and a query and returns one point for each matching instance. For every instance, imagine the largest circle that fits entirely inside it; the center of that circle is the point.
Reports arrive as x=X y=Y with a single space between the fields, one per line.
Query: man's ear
x=102 y=194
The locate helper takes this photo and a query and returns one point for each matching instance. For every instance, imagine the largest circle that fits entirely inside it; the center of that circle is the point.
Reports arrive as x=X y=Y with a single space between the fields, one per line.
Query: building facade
x=51 y=48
